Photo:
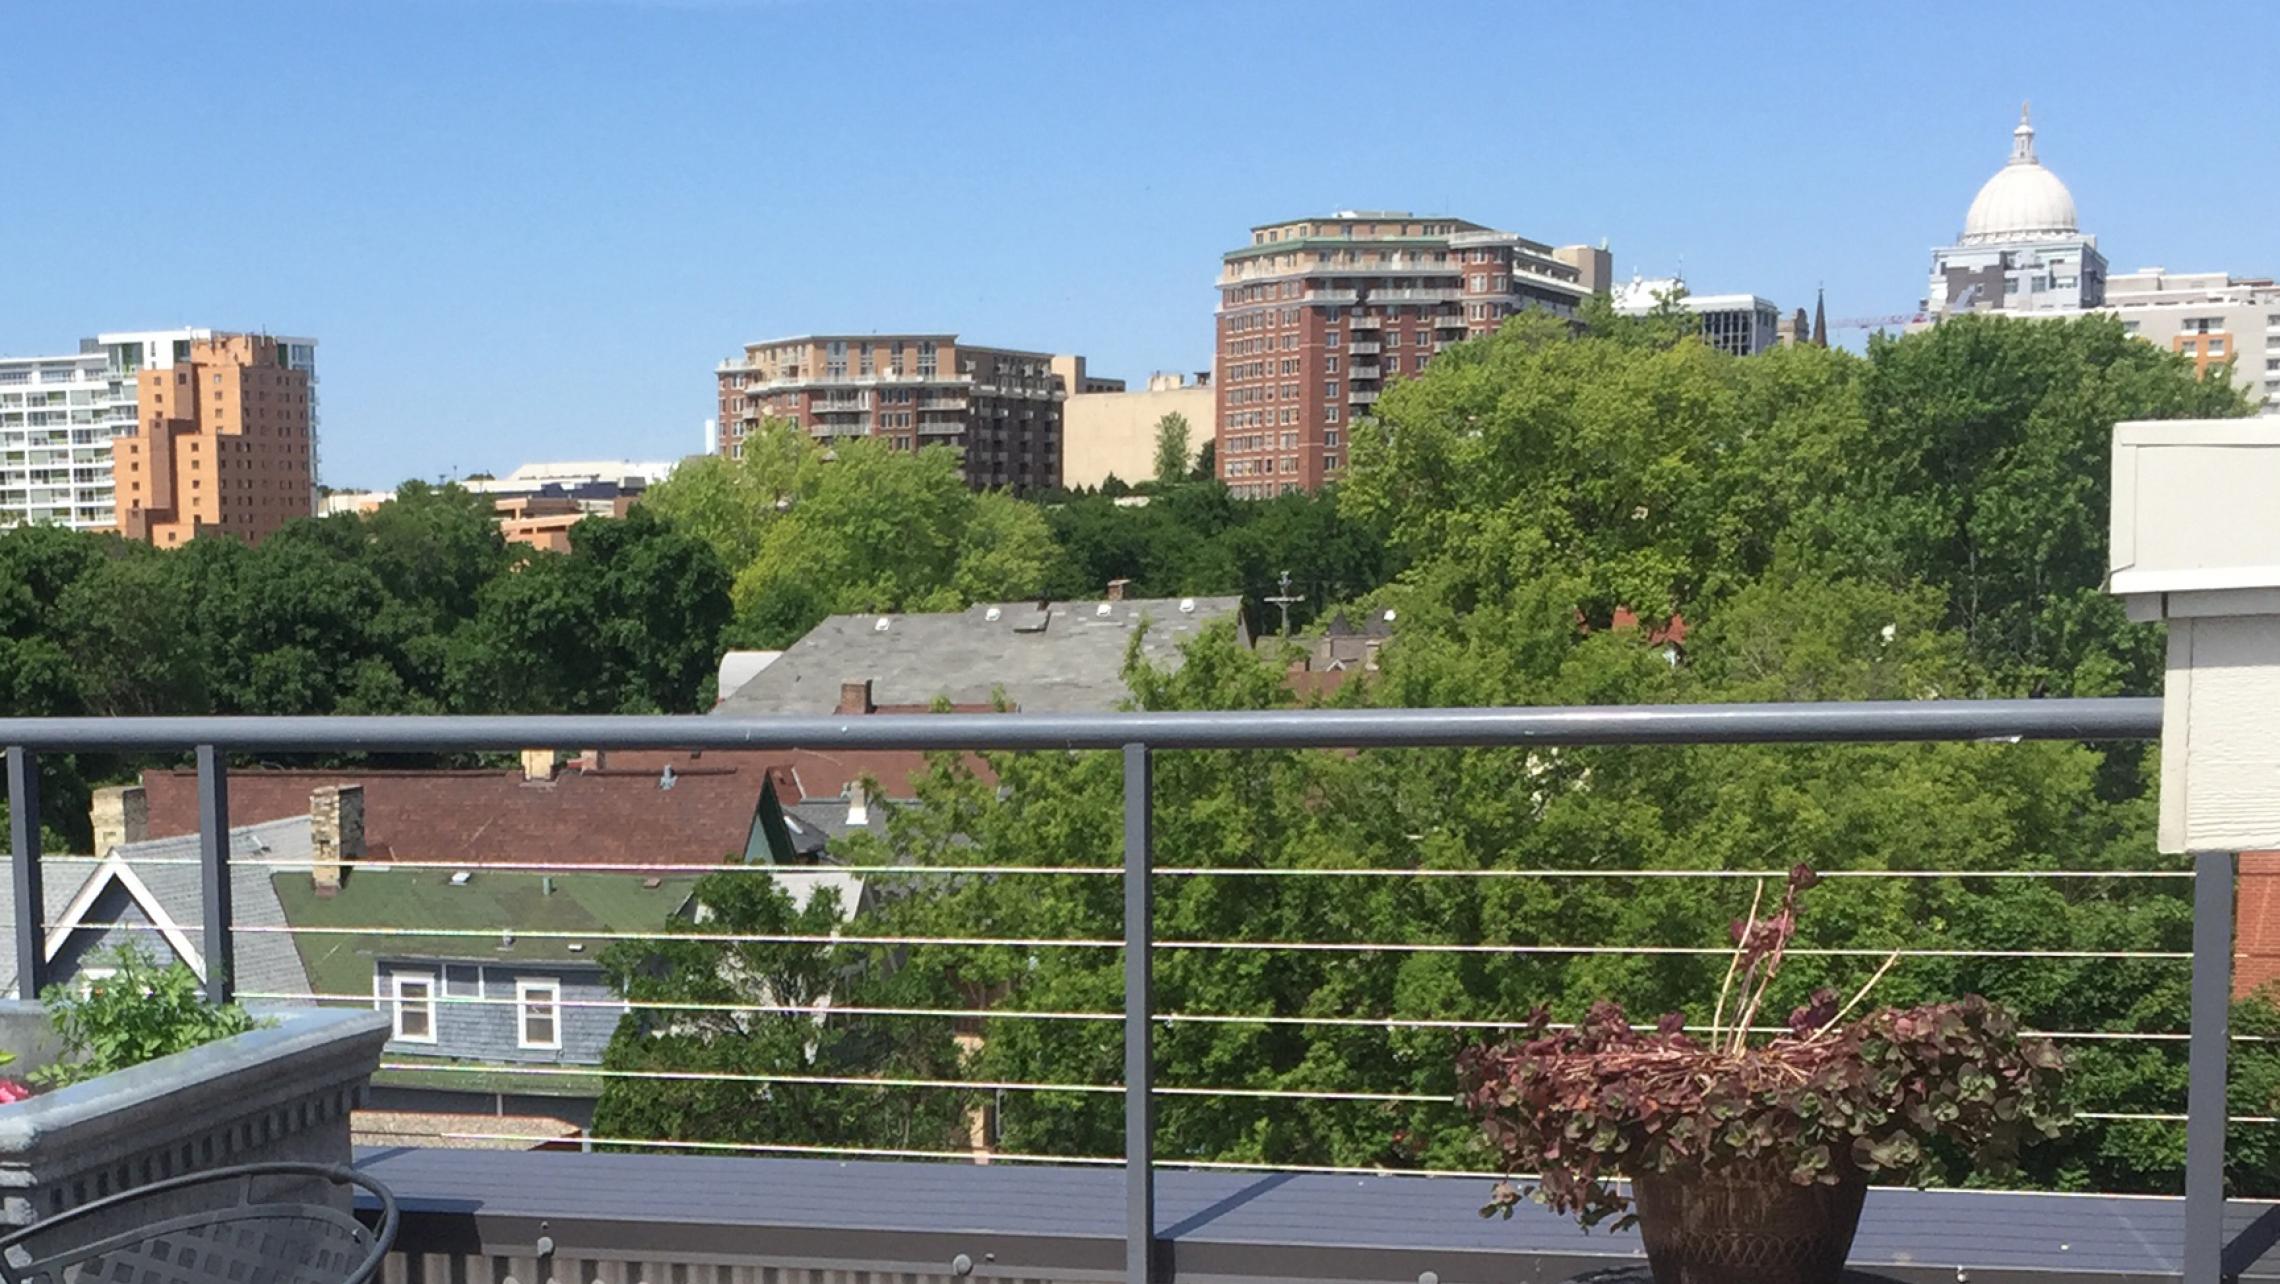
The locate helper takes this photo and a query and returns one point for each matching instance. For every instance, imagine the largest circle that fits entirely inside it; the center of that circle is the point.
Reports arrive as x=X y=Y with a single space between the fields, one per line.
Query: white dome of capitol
x=2023 y=202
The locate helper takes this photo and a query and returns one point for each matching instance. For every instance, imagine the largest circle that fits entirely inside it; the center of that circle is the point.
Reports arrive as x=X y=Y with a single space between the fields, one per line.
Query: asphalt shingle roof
x=265 y=961
x=1066 y=658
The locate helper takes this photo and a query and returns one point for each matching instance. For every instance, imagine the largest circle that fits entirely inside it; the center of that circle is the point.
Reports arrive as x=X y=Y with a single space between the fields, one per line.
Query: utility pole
x=1284 y=600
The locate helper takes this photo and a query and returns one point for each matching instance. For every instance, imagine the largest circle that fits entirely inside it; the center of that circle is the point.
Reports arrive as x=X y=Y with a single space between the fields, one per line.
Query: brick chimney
x=855 y=697
x=1116 y=589
x=336 y=834
x=538 y=764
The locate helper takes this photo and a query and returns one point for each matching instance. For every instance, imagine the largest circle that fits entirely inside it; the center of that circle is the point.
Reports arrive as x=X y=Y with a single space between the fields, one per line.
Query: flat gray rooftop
x=1066 y=1223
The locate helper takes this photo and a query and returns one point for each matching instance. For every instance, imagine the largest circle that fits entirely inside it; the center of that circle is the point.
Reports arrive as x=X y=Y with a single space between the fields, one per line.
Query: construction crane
x=1893 y=320
x=1960 y=303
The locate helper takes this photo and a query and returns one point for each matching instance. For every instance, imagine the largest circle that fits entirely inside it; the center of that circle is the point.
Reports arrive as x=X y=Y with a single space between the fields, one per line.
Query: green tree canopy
x=1172 y=433
x=808 y=532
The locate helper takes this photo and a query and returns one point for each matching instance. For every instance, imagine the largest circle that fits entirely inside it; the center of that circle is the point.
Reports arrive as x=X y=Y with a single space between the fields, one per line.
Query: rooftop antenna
x=1284 y=600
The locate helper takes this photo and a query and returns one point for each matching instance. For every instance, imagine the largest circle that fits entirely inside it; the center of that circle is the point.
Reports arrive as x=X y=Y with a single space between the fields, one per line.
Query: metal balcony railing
x=2200 y=1222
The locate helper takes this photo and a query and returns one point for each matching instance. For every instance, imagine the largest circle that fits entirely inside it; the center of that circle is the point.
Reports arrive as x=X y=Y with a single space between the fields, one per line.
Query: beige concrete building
x=2212 y=317
x=1076 y=380
x=1108 y=433
x=224 y=442
x=1000 y=408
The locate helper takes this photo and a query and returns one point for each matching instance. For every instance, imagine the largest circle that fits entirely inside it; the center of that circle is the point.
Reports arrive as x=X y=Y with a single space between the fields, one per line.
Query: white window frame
x=525 y=987
x=398 y=1004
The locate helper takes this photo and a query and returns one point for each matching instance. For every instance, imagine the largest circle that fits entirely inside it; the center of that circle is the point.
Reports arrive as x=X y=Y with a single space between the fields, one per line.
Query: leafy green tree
x=137 y=648
x=865 y=528
x=1984 y=471
x=628 y=621
x=1536 y=485
x=1206 y=462
x=730 y=502
x=724 y=1019
x=1172 y=433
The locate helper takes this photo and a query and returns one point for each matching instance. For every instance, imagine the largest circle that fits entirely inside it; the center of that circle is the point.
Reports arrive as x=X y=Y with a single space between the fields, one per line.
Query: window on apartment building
x=538 y=1014
x=1330 y=414
x=414 y=1006
x=1420 y=361
x=1330 y=439
x=1330 y=390
x=1393 y=338
x=2216 y=347
x=1330 y=364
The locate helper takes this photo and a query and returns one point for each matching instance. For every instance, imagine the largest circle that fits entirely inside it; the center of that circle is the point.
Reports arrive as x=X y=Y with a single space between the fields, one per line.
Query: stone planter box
x=280 y=1092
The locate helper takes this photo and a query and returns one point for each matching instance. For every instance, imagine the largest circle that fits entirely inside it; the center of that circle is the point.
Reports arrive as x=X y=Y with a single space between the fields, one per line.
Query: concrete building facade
x=225 y=441
x=2213 y=317
x=57 y=417
x=1740 y=324
x=1317 y=315
x=1114 y=433
x=61 y=416
x=1000 y=408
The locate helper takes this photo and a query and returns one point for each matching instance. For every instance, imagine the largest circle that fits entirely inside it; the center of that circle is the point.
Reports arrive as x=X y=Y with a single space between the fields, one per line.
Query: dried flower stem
x=1734 y=961
x=1858 y=995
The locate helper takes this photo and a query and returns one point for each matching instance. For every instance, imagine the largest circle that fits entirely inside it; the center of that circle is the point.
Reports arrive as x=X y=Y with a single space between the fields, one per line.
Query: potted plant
x=139 y=1079
x=1749 y=1156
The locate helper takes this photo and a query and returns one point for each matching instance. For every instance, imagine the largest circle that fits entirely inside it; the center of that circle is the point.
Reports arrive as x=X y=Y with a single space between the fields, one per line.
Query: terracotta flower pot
x=1746 y=1228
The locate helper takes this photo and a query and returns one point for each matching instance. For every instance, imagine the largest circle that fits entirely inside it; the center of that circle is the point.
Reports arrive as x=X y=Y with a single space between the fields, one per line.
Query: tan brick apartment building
x=1318 y=315
x=999 y=407
x=223 y=441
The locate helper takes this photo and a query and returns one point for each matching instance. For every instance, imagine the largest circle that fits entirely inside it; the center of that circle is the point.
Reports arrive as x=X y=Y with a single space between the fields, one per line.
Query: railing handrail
x=2110 y=718
x=1138 y=735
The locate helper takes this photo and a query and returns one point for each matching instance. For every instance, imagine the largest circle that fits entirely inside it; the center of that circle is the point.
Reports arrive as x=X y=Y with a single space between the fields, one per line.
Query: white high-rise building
x=58 y=416
x=1741 y=324
x=2021 y=249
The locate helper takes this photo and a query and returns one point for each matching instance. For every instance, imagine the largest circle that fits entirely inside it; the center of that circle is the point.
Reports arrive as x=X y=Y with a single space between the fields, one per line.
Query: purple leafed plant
x=1825 y=1100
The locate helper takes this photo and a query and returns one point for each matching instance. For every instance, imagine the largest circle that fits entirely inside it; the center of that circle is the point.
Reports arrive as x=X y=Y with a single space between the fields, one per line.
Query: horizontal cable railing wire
x=1137 y=734
x=1161 y=1018
x=539 y=868
x=1102 y=943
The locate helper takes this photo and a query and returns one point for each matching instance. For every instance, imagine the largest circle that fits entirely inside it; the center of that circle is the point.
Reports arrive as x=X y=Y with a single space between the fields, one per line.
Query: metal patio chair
x=211 y=1228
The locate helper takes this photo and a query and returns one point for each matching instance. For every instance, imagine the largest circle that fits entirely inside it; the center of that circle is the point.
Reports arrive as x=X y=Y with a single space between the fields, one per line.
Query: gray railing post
x=214 y=872
x=24 y=874
x=1139 y=1027
x=2206 y=1106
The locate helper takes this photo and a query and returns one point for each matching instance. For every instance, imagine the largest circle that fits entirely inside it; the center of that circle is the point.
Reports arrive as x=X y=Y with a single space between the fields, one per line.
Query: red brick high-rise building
x=1318 y=315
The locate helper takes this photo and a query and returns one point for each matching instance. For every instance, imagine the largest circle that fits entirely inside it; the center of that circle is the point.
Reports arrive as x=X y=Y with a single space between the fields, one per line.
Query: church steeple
x=1820 y=320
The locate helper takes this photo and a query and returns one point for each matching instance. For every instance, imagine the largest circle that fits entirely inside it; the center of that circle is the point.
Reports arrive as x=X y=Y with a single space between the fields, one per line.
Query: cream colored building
x=1115 y=432
x=2213 y=317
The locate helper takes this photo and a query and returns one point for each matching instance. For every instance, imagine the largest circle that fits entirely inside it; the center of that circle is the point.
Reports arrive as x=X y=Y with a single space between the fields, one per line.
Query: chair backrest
x=273 y=1223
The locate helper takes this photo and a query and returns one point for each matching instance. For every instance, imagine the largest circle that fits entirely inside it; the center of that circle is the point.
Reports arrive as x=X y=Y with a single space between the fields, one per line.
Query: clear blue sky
x=526 y=229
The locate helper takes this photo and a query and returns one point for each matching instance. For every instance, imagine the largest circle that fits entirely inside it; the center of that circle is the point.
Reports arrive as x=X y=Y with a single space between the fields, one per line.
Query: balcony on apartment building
x=646 y=1208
